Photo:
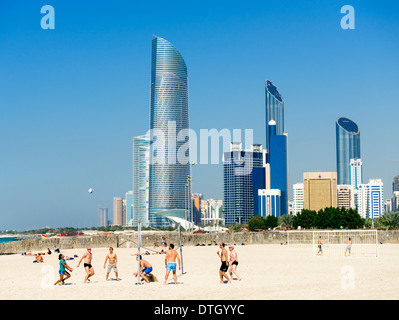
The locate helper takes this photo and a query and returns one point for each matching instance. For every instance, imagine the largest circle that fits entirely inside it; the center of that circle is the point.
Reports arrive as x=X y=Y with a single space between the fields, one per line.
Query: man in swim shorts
x=224 y=267
x=348 y=246
x=113 y=259
x=145 y=269
x=233 y=263
x=88 y=256
x=170 y=263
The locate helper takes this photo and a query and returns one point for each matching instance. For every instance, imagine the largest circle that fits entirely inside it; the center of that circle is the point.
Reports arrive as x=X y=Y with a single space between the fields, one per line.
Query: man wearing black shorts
x=224 y=267
x=88 y=256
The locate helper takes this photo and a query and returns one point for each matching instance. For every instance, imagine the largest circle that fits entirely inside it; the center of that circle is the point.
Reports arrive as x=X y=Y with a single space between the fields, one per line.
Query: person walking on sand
x=113 y=260
x=64 y=275
x=145 y=269
x=170 y=263
x=224 y=267
x=88 y=256
x=233 y=263
x=348 y=246
x=319 y=244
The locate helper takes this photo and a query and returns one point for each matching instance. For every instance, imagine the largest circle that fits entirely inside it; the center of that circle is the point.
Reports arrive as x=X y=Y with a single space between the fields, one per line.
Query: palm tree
x=390 y=220
x=285 y=221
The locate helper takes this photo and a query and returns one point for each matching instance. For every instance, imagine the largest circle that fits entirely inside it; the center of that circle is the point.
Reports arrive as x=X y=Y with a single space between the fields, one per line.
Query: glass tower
x=274 y=110
x=168 y=116
x=238 y=189
x=139 y=203
x=348 y=147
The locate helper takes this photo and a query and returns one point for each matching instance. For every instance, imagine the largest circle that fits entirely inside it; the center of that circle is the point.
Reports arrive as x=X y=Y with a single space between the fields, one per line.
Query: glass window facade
x=347 y=148
x=274 y=110
x=168 y=112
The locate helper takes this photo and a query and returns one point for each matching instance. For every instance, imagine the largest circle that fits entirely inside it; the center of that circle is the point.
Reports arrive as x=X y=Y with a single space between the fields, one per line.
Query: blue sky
x=72 y=98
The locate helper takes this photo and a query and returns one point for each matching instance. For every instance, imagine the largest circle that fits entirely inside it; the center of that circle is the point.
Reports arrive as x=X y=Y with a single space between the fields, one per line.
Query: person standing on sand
x=64 y=275
x=233 y=263
x=224 y=267
x=320 y=252
x=348 y=246
x=88 y=256
x=170 y=263
x=113 y=260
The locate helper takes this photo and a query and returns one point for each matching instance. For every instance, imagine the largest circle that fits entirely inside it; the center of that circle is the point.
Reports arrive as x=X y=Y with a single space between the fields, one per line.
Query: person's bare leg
x=175 y=277
x=166 y=277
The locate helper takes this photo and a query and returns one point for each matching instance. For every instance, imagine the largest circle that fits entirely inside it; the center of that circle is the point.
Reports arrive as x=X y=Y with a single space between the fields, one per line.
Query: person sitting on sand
x=39 y=258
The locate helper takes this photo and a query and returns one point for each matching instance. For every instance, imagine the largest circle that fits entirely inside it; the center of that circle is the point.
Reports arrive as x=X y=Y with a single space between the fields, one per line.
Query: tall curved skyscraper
x=274 y=110
x=348 y=147
x=168 y=116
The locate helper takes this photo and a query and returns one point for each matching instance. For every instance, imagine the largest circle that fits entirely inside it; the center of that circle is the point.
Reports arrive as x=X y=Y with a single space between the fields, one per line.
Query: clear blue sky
x=71 y=99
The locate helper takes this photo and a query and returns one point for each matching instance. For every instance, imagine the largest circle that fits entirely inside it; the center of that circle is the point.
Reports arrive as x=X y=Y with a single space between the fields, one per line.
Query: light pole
x=191 y=200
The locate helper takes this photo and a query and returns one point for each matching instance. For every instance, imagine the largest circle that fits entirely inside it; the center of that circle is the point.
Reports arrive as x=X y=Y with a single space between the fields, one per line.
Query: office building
x=269 y=202
x=212 y=212
x=297 y=203
x=347 y=148
x=118 y=211
x=140 y=192
x=102 y=217
x=370 y=199
x=169 y=117
x=319 y=190
x=274 y=110
x=129 y=207
x=356 y=170
x=346 y=196
x=238 y=188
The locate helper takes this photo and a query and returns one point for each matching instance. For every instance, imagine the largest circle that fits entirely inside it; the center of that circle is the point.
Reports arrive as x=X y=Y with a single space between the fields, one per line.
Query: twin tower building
x=255 y=179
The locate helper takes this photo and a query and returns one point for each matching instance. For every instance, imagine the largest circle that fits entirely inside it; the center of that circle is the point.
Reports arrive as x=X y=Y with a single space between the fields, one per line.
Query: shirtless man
x=113 y=260
x=233 y=263
x=319 y=243
x=88 y=256
x=145 y=269
x=170 y=263
x=224 y=267
x=348 y=246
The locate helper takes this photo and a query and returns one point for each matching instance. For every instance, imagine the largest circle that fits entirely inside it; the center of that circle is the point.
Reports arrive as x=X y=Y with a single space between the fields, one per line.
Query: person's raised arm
x=81 y=260
x=105 y=262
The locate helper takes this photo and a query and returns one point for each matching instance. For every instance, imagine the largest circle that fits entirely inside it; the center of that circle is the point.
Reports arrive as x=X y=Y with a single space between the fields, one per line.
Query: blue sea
x=4 y=240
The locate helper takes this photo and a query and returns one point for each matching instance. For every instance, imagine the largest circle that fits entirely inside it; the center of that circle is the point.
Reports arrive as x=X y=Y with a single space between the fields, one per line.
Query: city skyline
x=72 y=106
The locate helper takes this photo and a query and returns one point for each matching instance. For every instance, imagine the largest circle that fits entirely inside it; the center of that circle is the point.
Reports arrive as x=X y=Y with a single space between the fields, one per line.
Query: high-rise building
x=356 y=170
x=238 y=188
x=395 y=201
x=196 y=203
x=141 y=167
x=278 y=159
x=298 y=203
x=319 y=190
x=118 y=211
x=347 y=148
x=129 y=207
x=370 y=199
x=274 y=110
x=102 y=216
x=345 y=196
x=269 y=202
x=168 y=118
x=395 y=184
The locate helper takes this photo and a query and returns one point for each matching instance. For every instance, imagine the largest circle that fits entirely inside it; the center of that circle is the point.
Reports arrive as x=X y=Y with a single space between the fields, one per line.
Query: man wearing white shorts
x=112 y=258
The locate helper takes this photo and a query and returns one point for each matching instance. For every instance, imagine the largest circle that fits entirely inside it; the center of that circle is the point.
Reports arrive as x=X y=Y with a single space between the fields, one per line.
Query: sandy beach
x=271 y=272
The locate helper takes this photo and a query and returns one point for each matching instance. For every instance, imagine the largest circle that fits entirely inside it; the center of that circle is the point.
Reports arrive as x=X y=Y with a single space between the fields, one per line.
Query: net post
x=313 y=244
x=138 y=250
x=376 y=243
x=181 y=250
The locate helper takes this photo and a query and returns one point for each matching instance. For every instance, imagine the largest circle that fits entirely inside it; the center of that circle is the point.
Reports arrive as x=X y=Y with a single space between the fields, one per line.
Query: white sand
x=268 y=272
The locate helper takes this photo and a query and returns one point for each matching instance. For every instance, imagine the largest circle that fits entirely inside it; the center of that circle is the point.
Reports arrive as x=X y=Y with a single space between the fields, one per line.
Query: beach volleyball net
x=334 y=242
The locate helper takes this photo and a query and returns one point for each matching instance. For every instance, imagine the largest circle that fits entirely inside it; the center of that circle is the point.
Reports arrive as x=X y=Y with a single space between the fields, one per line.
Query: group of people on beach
x=229 y=264
x=348 y=247
x=171 y=260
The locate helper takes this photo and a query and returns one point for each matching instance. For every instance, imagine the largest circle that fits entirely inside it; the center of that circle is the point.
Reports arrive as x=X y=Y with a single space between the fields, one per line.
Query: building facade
x=274 y=110
x=347 y=148
x=319 y=190
x=118 y=211
x=346 y=196
x=168 y=117
x=102 y=217
x=370 y=199
x=269 y=202
x=356 y=170
x=298 y=198
x=140 y=192
x=238 y=191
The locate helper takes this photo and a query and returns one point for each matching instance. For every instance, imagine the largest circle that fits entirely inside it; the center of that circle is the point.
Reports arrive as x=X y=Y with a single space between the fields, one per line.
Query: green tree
x=270 y=222
x=255 y=222
x=390 y=220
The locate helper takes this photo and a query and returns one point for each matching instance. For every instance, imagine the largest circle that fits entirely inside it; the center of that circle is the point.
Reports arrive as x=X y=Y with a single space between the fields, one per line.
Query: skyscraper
x=168 y=117
x=141 y=167
x=274 y=110
x=356 y=171
x=118 y=211
x=237 y=182
x=347 y=148
x=370 y=199
x=298 y=198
